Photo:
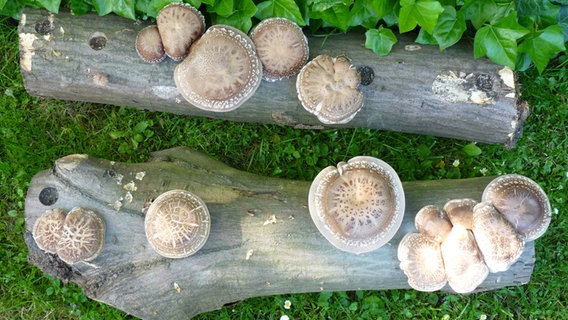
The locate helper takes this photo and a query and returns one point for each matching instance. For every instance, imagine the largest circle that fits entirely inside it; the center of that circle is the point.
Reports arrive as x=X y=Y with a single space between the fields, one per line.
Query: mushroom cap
x=522 y=202
x=177 y=224
x=48 y=228
x=222 y=71
x=83 y=236
x=149 y=45
x=281 y=46
x=327 y=87
x=433 y=223
x=180 y=25
x=500 y=244
x=358 y=206
x=421 y=260
x=465 y=268
x=460 y=212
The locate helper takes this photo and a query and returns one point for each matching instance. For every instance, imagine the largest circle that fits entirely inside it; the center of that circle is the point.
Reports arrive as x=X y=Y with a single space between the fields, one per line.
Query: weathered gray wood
x=262 y=239
x=61 y=64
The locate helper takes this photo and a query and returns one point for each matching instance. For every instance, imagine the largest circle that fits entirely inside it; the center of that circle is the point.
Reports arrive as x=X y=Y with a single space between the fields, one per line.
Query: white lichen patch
x=177 y=288
x=70 y=162
x=270 y=220
x=116 y=205
x=464 y=88
x=100 y=79
x=128 y=197
x=140 y=175
x=165 y=92
x=249 y=254
x=27 y=50
x=412 y=47
x=508 y=77
x=131 y=186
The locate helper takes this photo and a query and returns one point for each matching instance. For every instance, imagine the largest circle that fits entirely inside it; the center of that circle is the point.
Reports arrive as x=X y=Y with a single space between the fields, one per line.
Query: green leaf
x=542 y=13
x=123 y=8
x=322 y=5
x=562 y=20
x=380 y=41
x=2 y=3
x=222 y=8
x=450 y=27
x=425 y=38
x=244 y=10
x=362 y=14
x=51 y=5
x=336 y=16
x=419 y=12
x=80 y=7
x=499 y=40
x=471 y=149
x=541 y=46
x=479 y=11
x=280 y=8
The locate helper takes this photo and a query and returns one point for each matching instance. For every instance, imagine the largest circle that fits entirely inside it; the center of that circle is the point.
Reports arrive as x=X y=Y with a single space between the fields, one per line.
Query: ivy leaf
x=362 y=14
x=2 y=3
x=80 y=7
x=479 y=11
x=499 y=40
x=337 y=16
x=542 y=13
x=562 y=20
x=419 y=12
x=380 y=41
x=244 y=10
x=541 y=46
x=51 y=5
x=323 y=5
x=280 y=8
x=425 y=38
x=123 y=8
x=450 y=27
x=222 y=8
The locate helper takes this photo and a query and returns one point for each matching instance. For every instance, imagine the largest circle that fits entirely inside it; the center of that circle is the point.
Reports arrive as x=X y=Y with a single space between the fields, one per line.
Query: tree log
x=92 y=58
x=262 y=239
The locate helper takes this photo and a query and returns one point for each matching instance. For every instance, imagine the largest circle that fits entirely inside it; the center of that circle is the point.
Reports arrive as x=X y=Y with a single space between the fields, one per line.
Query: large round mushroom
x=222 y=71
x=48 y=229
x=149 y=45
x=179 y=26
x=358 y=206
x=83 y=236
x=421 y=261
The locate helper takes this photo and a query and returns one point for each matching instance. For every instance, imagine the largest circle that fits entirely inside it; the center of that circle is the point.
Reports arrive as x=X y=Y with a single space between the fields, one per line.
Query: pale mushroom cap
x=465 y=268
x=358 y=206
x=327 y=87
x=177 y=224
x=222 y=71
x=433 y=222
x=83 y=236
x=149 y=45
x=460 y=212
x=500 y=244
x=48 y=229
x=421 y=260
x=180 y=25
x=281 y=46
x=522 y=202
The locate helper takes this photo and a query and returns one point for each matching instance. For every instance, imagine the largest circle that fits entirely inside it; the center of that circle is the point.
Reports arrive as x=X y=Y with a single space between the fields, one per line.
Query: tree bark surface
x=262 y=240
x=92 y=58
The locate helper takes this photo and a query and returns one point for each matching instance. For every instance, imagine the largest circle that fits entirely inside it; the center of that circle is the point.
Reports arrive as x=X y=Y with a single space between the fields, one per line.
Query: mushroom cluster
x=75 y=236
x=466 y=240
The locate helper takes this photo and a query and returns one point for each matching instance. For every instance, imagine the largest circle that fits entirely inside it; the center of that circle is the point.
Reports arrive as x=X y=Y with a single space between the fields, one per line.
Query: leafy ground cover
x=35 y=132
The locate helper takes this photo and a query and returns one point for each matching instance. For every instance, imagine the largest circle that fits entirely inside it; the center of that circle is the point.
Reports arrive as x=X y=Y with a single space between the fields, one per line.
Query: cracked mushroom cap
x=421 y=260
x=177 y=224
x=149 y=45
x=500 y=244
x=433 y=223
x=358 y=206
x=460 y=212
x=281 y=46
x=179 y=26
x=522 y=202
x=327 y=88
x=222 y=71
x=48 y=229
x=83 y=236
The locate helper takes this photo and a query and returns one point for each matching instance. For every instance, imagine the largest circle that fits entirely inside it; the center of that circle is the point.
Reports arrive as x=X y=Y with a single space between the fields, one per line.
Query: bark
x=92 y=58
x=262 y=240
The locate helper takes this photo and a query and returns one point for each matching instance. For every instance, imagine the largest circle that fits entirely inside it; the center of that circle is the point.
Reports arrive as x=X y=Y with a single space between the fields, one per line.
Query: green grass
x=35 y=132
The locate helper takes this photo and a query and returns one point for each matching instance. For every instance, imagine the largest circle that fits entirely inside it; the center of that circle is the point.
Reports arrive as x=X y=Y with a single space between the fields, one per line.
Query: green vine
x=511 y=33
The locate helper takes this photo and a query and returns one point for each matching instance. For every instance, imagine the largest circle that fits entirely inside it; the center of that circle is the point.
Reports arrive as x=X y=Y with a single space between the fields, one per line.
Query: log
x=262 y=240
x=91 y=58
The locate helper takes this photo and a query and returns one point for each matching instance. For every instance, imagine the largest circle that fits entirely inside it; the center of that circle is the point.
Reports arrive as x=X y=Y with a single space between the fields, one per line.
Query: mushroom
x=500 y=244
x=522 y=202
x=222 y=71
x=149 y=45
x=421 y=260
x=327 y=87
x=281 y=46
x=48 y=228
x=358 y=206
x=433 y=223
x=83 y=236
x=177 y=224
x=460 y=212
x=179 y=25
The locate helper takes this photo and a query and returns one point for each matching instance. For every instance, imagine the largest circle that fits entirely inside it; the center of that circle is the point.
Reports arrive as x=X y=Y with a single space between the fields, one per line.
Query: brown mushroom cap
x=433 y=223
x=358 y=206
x=327 y=87
x=460 y=212
x=48 y=228
x=281 y=46
x=421 y=260
x=177 y=224
x=222 y=71
x=149 y=45
x=83 y=236
x=522 y=202
x=179 y=25
x=500 y=244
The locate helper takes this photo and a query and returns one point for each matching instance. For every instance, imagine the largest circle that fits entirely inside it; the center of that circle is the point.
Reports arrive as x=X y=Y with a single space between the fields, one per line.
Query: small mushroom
x=328 y=88
x=433 y=223
x=460 y=212
x=180 y=25
x=281 y=46
x=358 y=206
x=149 y=45
x=177 y=224
x=222 y=71
x=421 y=260
x=48 y=228
x=522 y=202
x=83 y=236
x=500 y=244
